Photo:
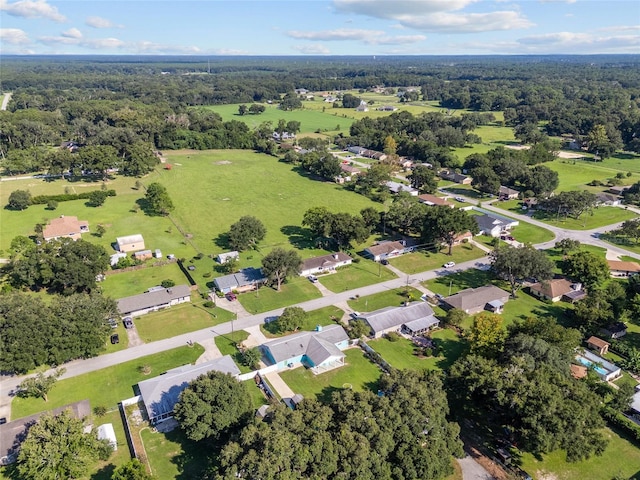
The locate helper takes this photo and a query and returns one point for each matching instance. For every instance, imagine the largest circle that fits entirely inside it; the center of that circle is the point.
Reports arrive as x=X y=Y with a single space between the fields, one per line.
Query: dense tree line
x=34 y=332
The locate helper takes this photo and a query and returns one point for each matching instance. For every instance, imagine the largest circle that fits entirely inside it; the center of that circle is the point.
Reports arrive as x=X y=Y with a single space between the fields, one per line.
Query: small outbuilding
x=130 y=243
x=598 y=345
x=223 y=257
x=106 y=432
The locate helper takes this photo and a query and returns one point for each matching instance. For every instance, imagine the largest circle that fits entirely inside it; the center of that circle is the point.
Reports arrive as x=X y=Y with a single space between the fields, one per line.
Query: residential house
x=397 y=187
x=130 y=243
x=243 y=281
x=475 y=300
x=154 y=299
x=432 y=200
x=301 y=91
x=493 y=225
x=598 y=345
x=223 y=257
x=506 y=193
x=65 y=227
x=357 y=150
x=281 y=136
x=558 y=289
x=160 y=394
x=143 y=255
x=415 y=318
x=363 y=107
x=530 y=202
x=623 y=269
x=13 y=433
x=456 y=177
x=618 y=189
x=350 y=170
x=386 y=250
x=387 y=108
x=324 y=263
x=615 y=330
x=608 y=199
x=320 y=350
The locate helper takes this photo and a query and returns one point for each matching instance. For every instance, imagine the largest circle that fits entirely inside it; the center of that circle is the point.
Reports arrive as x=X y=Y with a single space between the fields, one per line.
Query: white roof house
x=223 y=257
x=106 y=432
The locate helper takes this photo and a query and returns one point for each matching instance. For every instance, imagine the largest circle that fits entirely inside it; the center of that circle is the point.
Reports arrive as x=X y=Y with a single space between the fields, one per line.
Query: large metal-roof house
x=413 y=319
x=154 y=299
x=474 y=300
x=244 y=280
x=320 y=350
x=160 y=394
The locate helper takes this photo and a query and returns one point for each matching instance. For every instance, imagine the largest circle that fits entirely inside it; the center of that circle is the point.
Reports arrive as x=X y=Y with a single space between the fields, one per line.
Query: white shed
x=106 y=432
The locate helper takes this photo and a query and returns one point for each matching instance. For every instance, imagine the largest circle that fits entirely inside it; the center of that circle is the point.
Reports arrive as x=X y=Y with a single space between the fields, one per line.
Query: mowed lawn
x=621 y=459
x=389 y=298
x=213 y=189
x=424 y=260
x=297 y=290
x=322 y=316
x=311 y=119
x=576 y=174
x=124 y=284
x=600 y=217
x=365 y=272
x=108 y=386
x=179 y=319
x=358 y=373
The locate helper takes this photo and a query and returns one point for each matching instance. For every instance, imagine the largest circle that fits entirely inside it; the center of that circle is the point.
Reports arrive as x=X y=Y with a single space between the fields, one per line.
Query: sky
x=319 y=27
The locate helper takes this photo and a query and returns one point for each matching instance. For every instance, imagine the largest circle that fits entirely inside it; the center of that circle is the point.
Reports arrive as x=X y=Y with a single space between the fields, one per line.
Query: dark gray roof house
x=413 y=318
x=160 y=394
x=13 y=433
x=245 y=279
x=154 y=299
x=474 y=300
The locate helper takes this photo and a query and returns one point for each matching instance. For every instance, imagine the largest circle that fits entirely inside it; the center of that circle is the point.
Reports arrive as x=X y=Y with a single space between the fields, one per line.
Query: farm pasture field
x=576 y=174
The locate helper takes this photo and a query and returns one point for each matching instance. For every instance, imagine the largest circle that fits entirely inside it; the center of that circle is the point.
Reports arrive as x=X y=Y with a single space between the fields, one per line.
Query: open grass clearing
x=171 y=455
x=365 y=272
x=322 y=316
x=599 y=217
x=108 y=386
x=264 y=299
x=622 y=242
x=621 y=458
x=555 y=255
x=228 y=345
x=389 y=298
x=358 y=373
x=424 y=260
x=179 y=319
x=576 y=174
x=124 y=284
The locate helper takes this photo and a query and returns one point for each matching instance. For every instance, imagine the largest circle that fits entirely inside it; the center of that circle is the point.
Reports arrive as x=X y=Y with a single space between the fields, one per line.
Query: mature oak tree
x=515 y=264
x=444 y=224
x=158 y=199
x=586 y=267
x=279 y=264
x=290 y=319
x=246 y=233
x=19 y=199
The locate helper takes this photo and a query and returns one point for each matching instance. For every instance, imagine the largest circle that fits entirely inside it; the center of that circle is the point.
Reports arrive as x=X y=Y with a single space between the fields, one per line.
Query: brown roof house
x=385 y=250
x=65 y=227
x=475 y=300
x=578 y=371
x=506 y=193
x=432 y=200
x=623 y=269
x=324 y=263
x=456 y=177
x=558 y=289
x=598 y=345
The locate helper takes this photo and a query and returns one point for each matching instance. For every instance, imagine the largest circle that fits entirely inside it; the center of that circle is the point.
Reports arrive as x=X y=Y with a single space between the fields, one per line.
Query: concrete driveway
x=472 y=470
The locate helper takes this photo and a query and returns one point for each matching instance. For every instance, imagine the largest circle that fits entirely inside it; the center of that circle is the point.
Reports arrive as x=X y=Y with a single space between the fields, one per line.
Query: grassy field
x=623 y=242
x=179 y=319
x=265 y=299
x=359 y=373
x=124 y=284
x=575 y=174
x=600 y=217
x=311 y=119
x=322 y=316
x=621 y=458
x=423 y=260
x=107 y=386
x=390 y=298
x=365 y=272
x=171 y=455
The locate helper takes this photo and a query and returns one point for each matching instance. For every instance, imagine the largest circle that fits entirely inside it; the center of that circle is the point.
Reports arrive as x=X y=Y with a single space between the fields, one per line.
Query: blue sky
x=319 y=27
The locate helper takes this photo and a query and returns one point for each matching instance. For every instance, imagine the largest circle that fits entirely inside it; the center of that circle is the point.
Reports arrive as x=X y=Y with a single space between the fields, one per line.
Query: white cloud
x=91 y=43
x=72 y=33
x=435 y=15
x=152 y=47
x=371 y=37
x=32 y=9
x=312 y=49
x=14 y=36
x=99 y=22
x=557 y=1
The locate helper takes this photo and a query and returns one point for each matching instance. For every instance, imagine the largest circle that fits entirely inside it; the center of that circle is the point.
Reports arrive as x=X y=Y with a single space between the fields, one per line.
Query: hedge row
x=617 y=419
x=65 y=197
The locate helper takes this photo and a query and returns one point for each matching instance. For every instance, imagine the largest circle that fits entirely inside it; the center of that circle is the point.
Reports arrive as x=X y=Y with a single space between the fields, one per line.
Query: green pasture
x=108 y=386
x=296 y=290
x=358 y=373
x=124 y=284
x=621 y=459
x=179 y=319
x=365 y=272
x=389 y=298
x=598 y=217
x=576 y=174
x=311 y=119
x=424 y=260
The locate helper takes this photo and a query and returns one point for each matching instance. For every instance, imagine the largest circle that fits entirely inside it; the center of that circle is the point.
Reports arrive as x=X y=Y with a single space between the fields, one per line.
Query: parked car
x=231 y=296
x=3 y=420
x=458 y=199
x=312 y=278
x=355 y=314
x=128 y=322
x=115 y=338
x=112 y=323
x=384 y=261
x=449 y=264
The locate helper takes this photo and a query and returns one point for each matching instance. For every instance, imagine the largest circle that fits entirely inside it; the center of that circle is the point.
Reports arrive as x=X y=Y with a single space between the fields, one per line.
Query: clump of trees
x=338 y=228
x=158 y=200
x=34 y=333
x=516 y=264
x=290 y=320
x=246 y=233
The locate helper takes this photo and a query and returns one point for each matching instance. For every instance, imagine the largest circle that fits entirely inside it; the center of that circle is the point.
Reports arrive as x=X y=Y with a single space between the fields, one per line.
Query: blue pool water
x=588 y=364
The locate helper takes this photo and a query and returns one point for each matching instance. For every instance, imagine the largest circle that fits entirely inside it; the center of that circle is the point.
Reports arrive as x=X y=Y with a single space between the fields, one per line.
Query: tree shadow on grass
x=105 y=473
x=299 y=237
x=145 y=206
x=196 y=459
x=222 y=241
x=450 y=350
x=471 y=278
